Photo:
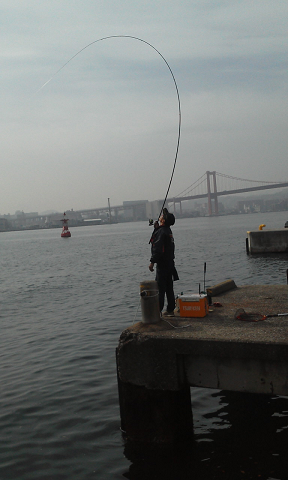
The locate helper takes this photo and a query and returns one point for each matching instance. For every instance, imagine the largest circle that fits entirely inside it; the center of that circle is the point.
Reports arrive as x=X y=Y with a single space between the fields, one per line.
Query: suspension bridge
x=211 y=185
x=214 y=184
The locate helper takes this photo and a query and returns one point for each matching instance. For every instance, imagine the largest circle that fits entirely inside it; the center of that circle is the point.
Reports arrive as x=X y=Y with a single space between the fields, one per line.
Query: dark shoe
x=168 y=314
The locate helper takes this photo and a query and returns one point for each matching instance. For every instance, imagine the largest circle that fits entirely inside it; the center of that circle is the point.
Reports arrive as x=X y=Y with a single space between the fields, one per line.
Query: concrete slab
x=216 y=351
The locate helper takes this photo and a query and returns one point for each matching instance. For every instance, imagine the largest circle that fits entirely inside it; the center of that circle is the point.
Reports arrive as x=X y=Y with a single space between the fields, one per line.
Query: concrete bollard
x=221 y=288
x=149 y=293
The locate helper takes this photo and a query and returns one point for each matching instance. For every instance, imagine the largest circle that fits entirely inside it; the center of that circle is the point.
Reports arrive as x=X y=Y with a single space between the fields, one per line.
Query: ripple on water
x=63 y=307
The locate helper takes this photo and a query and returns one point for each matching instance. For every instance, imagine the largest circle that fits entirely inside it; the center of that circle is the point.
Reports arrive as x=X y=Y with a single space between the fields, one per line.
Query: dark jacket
x=162 y=247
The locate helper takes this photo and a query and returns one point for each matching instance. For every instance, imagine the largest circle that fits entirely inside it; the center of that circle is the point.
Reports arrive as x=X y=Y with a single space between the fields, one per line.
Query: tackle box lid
x=193 y=297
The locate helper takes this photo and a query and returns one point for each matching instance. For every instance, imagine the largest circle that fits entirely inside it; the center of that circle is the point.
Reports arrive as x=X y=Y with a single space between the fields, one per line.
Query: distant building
x=251 y=206
x=4 y=225
x=153 y=209
x=137 y=210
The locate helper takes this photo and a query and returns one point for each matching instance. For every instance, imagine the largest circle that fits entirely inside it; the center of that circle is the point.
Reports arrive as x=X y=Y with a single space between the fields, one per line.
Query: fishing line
x=174 y=80
x=174 y=326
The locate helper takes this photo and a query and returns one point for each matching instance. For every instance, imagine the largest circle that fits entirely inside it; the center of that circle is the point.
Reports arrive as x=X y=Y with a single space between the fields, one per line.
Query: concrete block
x=267 y=241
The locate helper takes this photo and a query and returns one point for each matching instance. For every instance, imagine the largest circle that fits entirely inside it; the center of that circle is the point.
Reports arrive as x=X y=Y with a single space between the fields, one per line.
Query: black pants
x=164 y=278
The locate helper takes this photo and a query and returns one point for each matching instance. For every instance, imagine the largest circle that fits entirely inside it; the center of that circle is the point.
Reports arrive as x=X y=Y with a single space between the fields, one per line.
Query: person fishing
x=163 y=254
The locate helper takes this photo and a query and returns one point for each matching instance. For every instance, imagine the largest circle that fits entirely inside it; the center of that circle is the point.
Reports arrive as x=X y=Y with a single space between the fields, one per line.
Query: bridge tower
x=212 y=195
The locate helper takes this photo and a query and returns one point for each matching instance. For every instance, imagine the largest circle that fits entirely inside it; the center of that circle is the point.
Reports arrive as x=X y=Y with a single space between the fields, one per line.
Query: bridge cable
x=190 y=189
x=245 y=179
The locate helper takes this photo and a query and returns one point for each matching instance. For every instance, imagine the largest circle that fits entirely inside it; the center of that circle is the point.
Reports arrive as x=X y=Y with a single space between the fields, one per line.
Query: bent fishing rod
x=175 y=84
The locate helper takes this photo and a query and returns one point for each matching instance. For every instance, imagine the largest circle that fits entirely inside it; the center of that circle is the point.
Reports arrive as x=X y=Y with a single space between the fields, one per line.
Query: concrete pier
x=157 y=363
x=267 y=241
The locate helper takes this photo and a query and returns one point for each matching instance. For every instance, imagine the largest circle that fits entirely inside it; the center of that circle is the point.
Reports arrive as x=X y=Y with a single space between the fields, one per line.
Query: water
x=64 y=303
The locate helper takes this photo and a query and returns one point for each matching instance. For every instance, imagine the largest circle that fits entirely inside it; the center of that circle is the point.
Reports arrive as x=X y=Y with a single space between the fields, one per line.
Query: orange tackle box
x=194 y=305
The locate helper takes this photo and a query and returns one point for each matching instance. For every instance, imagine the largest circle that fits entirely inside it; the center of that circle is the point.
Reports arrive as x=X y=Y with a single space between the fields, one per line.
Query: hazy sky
x=106 y=125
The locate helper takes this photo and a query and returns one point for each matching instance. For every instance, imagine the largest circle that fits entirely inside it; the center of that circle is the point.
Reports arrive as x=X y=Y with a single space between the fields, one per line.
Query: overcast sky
x=106 y=125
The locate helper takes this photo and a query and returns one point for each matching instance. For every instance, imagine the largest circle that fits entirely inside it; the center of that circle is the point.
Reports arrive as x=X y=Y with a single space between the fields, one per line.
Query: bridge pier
x=116 y=211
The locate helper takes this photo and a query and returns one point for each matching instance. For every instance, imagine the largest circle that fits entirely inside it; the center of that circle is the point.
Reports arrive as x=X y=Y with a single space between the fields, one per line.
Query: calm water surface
x=63 y=305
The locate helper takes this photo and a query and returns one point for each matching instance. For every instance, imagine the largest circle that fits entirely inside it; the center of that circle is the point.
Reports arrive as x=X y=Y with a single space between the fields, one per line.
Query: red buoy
x=65 y=230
